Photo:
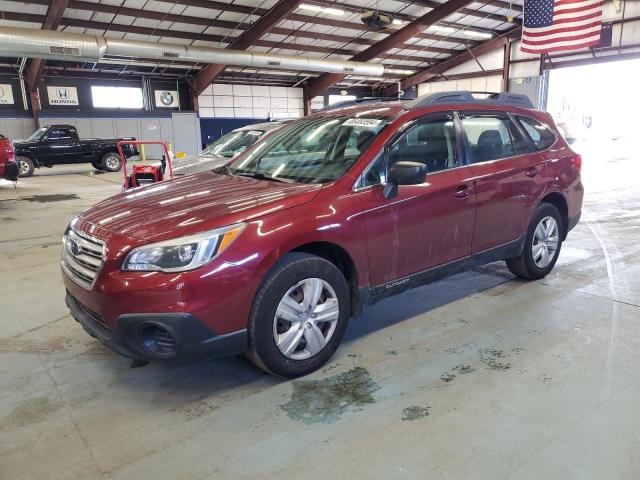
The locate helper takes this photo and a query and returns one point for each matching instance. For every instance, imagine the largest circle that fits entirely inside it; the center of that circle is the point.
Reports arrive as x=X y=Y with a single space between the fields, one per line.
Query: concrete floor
x=478 y=376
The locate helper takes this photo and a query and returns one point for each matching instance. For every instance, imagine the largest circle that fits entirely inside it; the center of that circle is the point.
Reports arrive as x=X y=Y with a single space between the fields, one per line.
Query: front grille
x=82 y=257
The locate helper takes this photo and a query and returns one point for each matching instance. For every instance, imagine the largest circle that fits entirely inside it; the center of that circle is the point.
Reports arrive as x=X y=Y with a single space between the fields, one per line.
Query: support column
x=307 y=102
x=35 y=106
x=506 y=67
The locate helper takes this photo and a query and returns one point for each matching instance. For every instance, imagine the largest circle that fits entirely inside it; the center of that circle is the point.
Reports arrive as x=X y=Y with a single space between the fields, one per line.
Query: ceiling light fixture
x=399 y=71
x=319 y=9
x=476 y=34
x=440 y=28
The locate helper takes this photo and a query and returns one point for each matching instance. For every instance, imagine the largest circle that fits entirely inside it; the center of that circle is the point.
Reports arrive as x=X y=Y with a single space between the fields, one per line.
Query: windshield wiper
x=260 y=176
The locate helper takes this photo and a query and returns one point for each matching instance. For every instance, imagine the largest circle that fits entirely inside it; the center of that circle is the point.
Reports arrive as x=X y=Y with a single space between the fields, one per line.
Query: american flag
x=552 y=25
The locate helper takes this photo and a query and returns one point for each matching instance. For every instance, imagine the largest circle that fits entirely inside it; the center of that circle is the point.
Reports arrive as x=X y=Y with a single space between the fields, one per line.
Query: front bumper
x=176 y=337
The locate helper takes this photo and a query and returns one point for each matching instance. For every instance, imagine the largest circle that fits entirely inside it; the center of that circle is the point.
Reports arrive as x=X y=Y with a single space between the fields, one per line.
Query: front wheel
x=299 y=316
x=111 y=162
x=97 y=165
x=25 y=167
x=542 y=244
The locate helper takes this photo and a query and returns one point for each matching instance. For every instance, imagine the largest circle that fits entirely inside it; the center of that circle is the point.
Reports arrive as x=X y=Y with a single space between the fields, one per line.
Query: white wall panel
x=242 y=90
x=222 y=89
x=294 y=92
x=262 y=102
x=222 y=101
x=260 y=91
x=260 y=113
x=242 y=102
x=278 y=92
x=205 y=101
x=243 y=112
x=494 y=83
x=224 y=112
x=250 y=101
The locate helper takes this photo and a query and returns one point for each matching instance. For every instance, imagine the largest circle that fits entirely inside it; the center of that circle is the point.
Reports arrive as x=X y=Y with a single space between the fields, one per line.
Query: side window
x=492 y=138
x=59 y=134
x=432 y=143
x=539 y=133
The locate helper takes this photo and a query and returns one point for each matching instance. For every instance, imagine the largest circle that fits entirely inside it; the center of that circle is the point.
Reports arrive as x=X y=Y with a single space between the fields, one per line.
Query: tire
x=25 y=167
x=111 y=162
x=270 y=348
x=532 y=266
x=97 y=165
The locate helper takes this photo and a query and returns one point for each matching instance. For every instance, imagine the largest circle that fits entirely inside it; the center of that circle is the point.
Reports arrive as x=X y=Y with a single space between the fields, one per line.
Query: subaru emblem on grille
x=74 y=247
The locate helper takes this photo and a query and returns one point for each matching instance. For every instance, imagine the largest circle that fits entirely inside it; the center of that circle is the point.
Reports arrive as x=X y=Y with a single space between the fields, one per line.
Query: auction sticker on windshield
x=362 y=122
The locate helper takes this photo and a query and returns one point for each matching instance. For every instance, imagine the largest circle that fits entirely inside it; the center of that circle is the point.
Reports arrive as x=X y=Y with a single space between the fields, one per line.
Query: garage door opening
x=596 y=107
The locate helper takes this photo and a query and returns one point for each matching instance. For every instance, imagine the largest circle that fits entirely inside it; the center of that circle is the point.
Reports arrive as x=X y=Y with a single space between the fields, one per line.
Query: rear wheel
x=542 y=244
x=299 y=316
x=25 y=167
x=111 y=162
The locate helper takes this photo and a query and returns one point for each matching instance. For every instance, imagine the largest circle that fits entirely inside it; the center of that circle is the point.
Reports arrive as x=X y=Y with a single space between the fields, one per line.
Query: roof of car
x=393 y=107
x=266 y=126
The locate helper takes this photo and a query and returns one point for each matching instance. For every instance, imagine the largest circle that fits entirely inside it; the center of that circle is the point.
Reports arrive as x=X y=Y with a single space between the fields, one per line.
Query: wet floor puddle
x=414 y=412
x=56 y=197
x=324 y=401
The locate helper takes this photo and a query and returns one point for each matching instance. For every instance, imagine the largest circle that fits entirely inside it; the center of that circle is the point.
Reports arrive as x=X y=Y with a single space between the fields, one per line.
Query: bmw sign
x=167 y=99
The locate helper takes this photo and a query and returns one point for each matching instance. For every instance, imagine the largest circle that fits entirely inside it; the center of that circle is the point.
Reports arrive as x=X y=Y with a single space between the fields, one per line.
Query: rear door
x=425 y=225
x=507 y=177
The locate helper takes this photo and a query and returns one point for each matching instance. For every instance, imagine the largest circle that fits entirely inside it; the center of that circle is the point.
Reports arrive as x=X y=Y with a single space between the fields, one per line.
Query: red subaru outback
x=272 y=254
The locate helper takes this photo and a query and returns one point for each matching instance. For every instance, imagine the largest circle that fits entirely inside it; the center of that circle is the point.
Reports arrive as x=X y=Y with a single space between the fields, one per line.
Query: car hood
x=198 y=164
x=24 y=143
x=193 y=204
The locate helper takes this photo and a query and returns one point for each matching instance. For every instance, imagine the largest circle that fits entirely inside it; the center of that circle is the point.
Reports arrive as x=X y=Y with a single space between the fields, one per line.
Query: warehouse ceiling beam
x=440 y=68
x=212 y=22
x=248 y=38
x=413 y=29
x=217 y=6
x=51 y=21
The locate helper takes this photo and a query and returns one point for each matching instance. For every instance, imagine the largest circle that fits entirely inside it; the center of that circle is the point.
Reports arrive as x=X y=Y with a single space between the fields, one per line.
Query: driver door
x=425 y=225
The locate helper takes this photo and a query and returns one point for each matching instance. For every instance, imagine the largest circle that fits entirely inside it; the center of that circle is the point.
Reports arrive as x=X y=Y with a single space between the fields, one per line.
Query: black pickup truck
x=60 y=144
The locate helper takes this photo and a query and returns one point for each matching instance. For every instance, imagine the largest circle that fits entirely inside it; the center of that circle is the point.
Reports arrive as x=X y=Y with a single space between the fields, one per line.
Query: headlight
x=184 y=253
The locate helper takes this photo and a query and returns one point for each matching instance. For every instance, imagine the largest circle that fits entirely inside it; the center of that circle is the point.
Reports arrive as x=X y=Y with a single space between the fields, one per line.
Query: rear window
x=492 y=137
x=539 y=133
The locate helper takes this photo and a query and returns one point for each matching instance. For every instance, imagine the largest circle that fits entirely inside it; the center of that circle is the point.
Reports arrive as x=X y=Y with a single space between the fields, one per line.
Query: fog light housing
x=158 y=341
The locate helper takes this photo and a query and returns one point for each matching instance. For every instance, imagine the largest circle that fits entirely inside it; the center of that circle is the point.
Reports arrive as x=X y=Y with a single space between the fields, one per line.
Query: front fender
x=329 y=220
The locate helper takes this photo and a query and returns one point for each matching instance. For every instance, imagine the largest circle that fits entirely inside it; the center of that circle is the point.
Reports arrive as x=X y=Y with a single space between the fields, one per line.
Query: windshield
x=37 y=135
x=233 y=143
x=317 y=150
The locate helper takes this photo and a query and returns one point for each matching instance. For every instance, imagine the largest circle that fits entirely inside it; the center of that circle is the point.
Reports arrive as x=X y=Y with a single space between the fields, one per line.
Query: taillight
x=577 y=161
x=11 y=151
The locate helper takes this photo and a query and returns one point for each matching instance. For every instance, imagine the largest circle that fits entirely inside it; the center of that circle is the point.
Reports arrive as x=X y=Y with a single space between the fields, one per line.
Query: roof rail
x=464 y=96
x=358 y=101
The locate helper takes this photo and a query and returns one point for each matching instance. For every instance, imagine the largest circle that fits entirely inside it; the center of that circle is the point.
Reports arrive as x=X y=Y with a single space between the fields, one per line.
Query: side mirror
x=404 y=173
x=45 y=138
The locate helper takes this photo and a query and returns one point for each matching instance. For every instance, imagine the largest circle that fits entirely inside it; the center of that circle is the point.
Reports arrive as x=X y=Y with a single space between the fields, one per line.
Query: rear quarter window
x=540 y=134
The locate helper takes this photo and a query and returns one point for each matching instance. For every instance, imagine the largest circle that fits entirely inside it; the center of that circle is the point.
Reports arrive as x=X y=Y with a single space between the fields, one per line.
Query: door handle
x=531 y=172
x=463 y=191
